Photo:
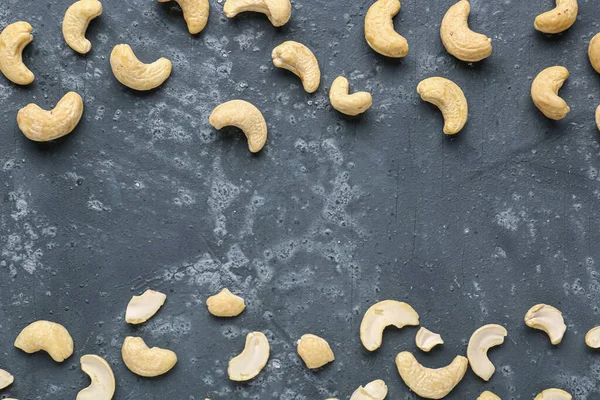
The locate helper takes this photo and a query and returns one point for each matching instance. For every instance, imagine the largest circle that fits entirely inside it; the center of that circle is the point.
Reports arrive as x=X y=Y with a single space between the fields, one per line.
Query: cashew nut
x=298 y=58
x=459 y=40
x=76 y=21
x=51 y=337
x=195 y=13
x=225 y=304
x=594 y=52
x=278 y=11
x=481 y=340
x=449 y=98
x=488 y=396
x=375 y=390
x=598 y=117
x=381 y=315
x=134 y=74
x=548 y=319
x=379 y=29
x=427 y=340
x=102 y=385
x=13 y=40
x=6 y=379
x=558 y=19
x=252 y=360
x=544 y=92
x=314 y=351
x=245 y=116
x=145 y=361
x=141 y=308
x=553 y=394
x=41 y=126
x=349 y=104
x=592 y=338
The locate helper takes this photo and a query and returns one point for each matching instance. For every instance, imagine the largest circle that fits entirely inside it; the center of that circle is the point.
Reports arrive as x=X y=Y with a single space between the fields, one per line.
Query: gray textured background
x=334 y=214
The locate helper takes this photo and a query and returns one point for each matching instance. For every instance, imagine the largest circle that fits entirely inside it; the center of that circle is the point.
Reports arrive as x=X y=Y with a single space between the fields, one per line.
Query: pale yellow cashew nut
x=51 y=337
x=145 y=361
x=245 y=116
x=349 y=104
x=481 y=341
x=6 y=379
x=559 y=19
x=278 y=11
x=544 y=92
x=141 y=308
x=449 y=98
x=102 y=386
x=379 y=29
x=458 y=39
x=134 y=74
x=375 y=390
x=488 y=396
x=225 y=304
x=252 y=360
x=427 y=340
x=13 y=40
x=381 y=315
x=592 y=338
x=298 y=58
x=314 y=351
x=195 y=13
x=553 y=394
x=598 y=117
x=594 y=52
x=76 y=21
x=548 y=319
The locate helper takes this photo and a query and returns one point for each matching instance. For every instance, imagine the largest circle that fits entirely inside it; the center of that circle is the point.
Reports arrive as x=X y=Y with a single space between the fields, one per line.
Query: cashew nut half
x=553 y=394
x=379 y=29
x=375 y=390
x=134 y=74
x=481 y=340
x=245 y=116
x=225 y=304
x=349 y=104
x=51 y=337
x=314 y=351
x=6 y=379
x=430 y=383
x=427 y=340
x=41 y=126
x=544 y=92
x=594 y=52
x=558 y=19
x=252 y=360
x=548 y=319
x=592 y=338
x=141 y=308
x=449 y=98
x=459 y=40
x=145 y=361
x=102 y=385
x=13 y=40
x=488 y=396
x=298 y=58
x=195 y=13
x=381 y=315
x=76 y=21
x=278 y=11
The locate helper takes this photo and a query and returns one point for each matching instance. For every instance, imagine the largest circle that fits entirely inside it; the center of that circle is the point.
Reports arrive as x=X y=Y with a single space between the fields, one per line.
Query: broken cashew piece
x=375 y=390
x=459 y=40
x=427 y=340
x=51 y=337
x=298 y=58
x=145 y=361
x=449 y=98
x=559 y=19
x=314 y=351
x=488 y=396
x=245 y=116
x=195 y=13
x=225 y=304
x=76 y=21
x=349 y=104
x=141 y=308
x=278 y=11
x=102 y=385
x=13 y=40
x=379 y=29
x=481 y=341
x=136 y=75
x=553 y=394
x=548 y=319
x=544 y=92
x=6 y=379
x=252 y=360
x=381 y=315
x=592 y=338
x=594 y=52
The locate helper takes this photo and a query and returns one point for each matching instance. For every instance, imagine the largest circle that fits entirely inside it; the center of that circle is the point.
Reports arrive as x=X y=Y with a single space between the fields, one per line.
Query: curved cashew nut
x=298 y=58
x=51 y=337
x=349 y=104
x=76 y=21
x=553 y=394
x=548 y=319
x=141 y=308
x=459 y=40
x=6 y=379
x=41 y=126
x=558 y=19
x=133 y=73
x=102 y=385
x=145 y=361
x=592 y=338
x=427 y=340
x=314 y=351
x=379 y=29
x=488 y=396
x=195 y=13
x=278 y=11
x=544 y=92
x=252 y=360
x=598 y=117
x=482 y=339
x=594 y=52
x=381 y=315
x=225 y=304
x=449 y=98
x=13 y=40
x=375 y=390
x=245 y=116
x=430 y=383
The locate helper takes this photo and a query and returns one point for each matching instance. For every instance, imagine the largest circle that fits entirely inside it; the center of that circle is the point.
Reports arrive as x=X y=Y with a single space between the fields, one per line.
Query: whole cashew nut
x=548 y=319
x=145 y=361
x=592 y=338
x=598 y=117
x=195 y=13
x=544 y=92
x=349 y=104
x=594 y=52
x=225 y=304
x=314 y=351
x=481 y=340
x=427 y=340
x=458 y=39
x=381 y=315
x=13 y=40
x=141 y=308
x=6 y=379
x=488 y=396
x=553 y=394
x=76 y=21
x=102 y=385
x=51 y=337
x=375 y=390
x=298 y=58
x=379 y=29
x=278 y=11
x=449 y=98
x=136 y=75
x=559 y=19
x=252 y=360
x=245 y=116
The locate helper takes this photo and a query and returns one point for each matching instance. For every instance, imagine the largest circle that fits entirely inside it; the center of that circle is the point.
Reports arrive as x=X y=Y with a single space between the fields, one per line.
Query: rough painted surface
x=334 y=214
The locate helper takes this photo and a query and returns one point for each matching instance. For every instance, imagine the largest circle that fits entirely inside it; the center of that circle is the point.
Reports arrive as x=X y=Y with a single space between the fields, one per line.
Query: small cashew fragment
x=548 y=319
x=459 y=40
x=488 y=396
x=252 y=360
x=278 y=11
x=195 y=13
x=136 y=75
x=381 y=315
x=349 y=104
x=145 y=361
x=559 y=19
x=592 y=338
x=544 y=92
x=141 y=308
x=245 y=116
x=379 y=29
x=76 y=21
x=298 y=58
x=314 y=351
x=102 y=385
x=225 y=304
x=6 y=379
x=375 y=390
x=427 y=340
x=553 y=394
x=449 y=98
x=481 y=340
x=594 y=52
x=430 y=383
x=13 y=40
x=51 y=337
